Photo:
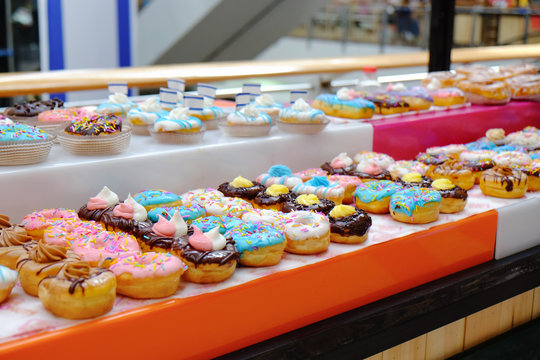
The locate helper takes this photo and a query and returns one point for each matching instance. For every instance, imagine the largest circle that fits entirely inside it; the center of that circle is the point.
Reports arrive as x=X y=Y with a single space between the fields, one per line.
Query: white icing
x=107 y=195
x=248 y=116
x=398 y=87
x=301 y=105
x=249 y=110
x=200 y=196
x=179 y=113
x=448 y=149
x=477 y=155
x=179 y=224
x=218 y=240
x=118 y=98
x=227 y=206
x=344 y=158
x=289 y=181
x=264 y=100
x=270 y=217
x=507 y=158
x=150 y=105
x=8 y=277
x=381 y=160
x=139 y=212
x=6 y=122
x=343 y=94
x=301 y=225
x=434 y=84
x=333 y=191
x=529 y=140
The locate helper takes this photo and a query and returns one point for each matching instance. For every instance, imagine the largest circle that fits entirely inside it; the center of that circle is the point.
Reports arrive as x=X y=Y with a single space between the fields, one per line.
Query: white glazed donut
x=227 y=206
x=307 y=232
x=452 y=149
x=477 y=155
x=507 y=158
x=270 y=217
x=381 y=160
x=200 y=196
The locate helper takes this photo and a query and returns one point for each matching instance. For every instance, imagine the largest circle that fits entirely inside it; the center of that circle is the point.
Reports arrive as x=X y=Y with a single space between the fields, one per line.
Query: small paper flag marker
x=121 y=88
x=242 y=99
x=176 y=84
x=206 y=90
x=195 y=103
x=167 y=98
x=252 y=88
x=297 y=94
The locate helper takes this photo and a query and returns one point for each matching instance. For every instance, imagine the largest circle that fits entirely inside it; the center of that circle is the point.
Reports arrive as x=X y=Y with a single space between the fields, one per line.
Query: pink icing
x=63 y=232
x=105 y=245
x=338 y=164
x=372 y=169
x=345 y=180
x=309 y=173
x=149 y=264
x=43 y=218
x=164 y=227
x=96 y=203
x=123 y=210
x=200 y=241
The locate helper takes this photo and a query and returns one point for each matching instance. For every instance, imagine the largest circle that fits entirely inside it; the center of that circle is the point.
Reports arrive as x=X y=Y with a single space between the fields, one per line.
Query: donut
x=417 y=98
x=307 y=232
x=374 y=196
x=369 y=171
x=227 y=206
x=210 y=257
x=503 y=182
x=160 y=237
x=188 y=212
x=31 y=109
x=36 y=222
x=308 y=202
x=272 y=198
x=348 y=225
x=9 y=255
x=381 y=160
x=527 y=139
x=41 y=261
x=349 y=183
x=481 y=144
x=95 y=125
x=101 y=248
x=241 y=188
x=259 y=244
x=147 y=276
x=447 y=97
x=153 y=198
x=478 y=167
x=12 y=239
x=78 y=291
x=452 y=150
x=507 y=158
x=386 y=104
x=402 y=167
x=308 y=174
x=485 y=91
x=8 y=279
x=279 y=174
x=535 y=155
x=63 y=233
x=343 y=105
x=224 y=223
x=444 y=78
x=453 y=198
x=476 y=155
x=415 y=205
x=117 y=104
x=62 y=115
x=4 y=221
x=524 y=87
x=496 y=135
x=431 y=160
x=413 y=179
x=454 y=171
x=340 y=165
x=270 y=217
x=519 y=69
x=533 y=174
x=200 y=196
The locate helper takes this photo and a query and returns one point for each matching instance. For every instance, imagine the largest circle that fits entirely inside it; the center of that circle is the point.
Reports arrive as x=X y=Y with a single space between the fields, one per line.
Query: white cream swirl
x=248 y=116
x=344 y=158
x=264 y=100
x=301 y=105
x=179 y=113
x=218 y=240
x=139 y=212
x=108 y=196
x=179 y=224
x=150 y=105
x=118 y=98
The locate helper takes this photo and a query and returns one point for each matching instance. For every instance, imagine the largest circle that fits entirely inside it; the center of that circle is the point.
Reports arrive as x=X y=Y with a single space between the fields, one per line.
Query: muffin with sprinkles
x=22 y=144
x=95 y=125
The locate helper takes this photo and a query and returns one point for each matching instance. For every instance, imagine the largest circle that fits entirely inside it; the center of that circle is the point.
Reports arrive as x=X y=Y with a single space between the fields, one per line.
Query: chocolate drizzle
x=383 y=175
x=356 y=224
x=246 y=193
x=426 y=182
x=507 y=177
x=480 y=165
x=455 y=193
x=347 y=170
x=267 y=200
x=428 y=159
x=221 y=257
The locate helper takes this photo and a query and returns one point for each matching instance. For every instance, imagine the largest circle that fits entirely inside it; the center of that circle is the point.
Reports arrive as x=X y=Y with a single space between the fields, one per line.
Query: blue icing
x=535 y=155
x=279 y=171
x=289 y=112
x=483 y=144
x=17 y=132
x=376 y=190
x=266 y=118
x=333 y=100
x=318 y=181
x=407 y=200
x=184 y=124
x=155 y=196
x=510 y=148
x=252 y=236
x=225 y=223
x=188 y=213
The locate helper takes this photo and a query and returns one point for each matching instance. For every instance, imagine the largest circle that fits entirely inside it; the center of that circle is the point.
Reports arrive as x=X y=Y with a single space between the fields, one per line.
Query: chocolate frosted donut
x=95 y=125
x=323 y=206
x=246 y=193
x=111 y=222
x=425 y=182
x=33 y=108
x=265 y=200
x=347 y=170
x=455 y=193
x=480 y=165
x=383 y=175
x=356 y=224
x=428 y=159
x=220 y=257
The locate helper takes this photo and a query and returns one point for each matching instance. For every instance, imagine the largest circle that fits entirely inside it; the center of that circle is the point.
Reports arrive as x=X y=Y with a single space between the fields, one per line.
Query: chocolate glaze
x=426 y=182
x=248 y=193
x=264 y=199
x=505 y=175
x=455 y=193
x=221 y=257
x=95 y=125
x=356 y=224
x=476 y=166
x=33 y=108
x=383 y=175
x=348 y=170
x=80 y=281
x=143 y=231
x=324 y=206
x=430 y=159
x=387 y=101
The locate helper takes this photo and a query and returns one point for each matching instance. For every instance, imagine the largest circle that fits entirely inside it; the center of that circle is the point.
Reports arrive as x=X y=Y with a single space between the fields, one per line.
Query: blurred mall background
x=78 y=34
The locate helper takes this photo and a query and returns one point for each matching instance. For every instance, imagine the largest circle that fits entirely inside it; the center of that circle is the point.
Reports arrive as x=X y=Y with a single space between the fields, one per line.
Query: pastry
x=36 y=222
x=178 y=127
x=307 y=232
x=153 y=198
x=456 y=172
x=272 y=198
x=280 y=174
x=258 y=244
x=8 y=279
x=344 y=105
x=322 y=188
x=374 y=196
x=503 y=182
x=308 y=202
x=348 y=225
x=453 y=198
x=117 y=104
x=415 y=205
x=30 y=110
x=247 y=121
x=386 y=104
x=241 y=188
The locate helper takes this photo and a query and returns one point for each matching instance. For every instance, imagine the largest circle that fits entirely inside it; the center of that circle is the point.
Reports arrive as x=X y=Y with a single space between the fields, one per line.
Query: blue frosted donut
x=224 y=223
x=407 y=204
x=189 y=213
x=153 y=198
x=259 y=244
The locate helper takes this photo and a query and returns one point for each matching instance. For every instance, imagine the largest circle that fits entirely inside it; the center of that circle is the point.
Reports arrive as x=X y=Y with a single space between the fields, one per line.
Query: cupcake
x=118 y=104
x=302 y=118
x=145 y=114
x=210 y=114
x=265 y=103
x=177 y=128
x=30 y=110
x=22 y=144
x=246 y=122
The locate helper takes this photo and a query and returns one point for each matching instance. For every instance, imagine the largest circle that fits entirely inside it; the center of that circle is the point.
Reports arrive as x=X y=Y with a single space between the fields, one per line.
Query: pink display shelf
x=405 y=136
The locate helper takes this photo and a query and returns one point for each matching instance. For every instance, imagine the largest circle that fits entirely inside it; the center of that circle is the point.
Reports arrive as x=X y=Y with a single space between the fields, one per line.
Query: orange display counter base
x=216 y=323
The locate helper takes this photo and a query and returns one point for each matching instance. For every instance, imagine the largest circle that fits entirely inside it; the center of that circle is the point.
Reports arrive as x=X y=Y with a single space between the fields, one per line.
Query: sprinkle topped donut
x=21 y=132
x=101 y=248
x=95 y=125
x=342 y=164
x=259 y=244
x=371 y=157
x=415 y=205
x=189 y=212
x=401 y=167
x=223 y=223
x=322 y=188
x=227 y=206
x=36 y=222
x=153 y=198
x=507 y=158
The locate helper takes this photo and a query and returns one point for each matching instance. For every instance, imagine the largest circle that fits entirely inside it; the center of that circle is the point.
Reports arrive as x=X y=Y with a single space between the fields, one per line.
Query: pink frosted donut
x=105 y=246
x=200 y=196
x=62 y=115
x=349 y=183
x=36 y=222
x=227 y=206
x=507 y=158
x=63 y=232
x=148 y=275
x=310 y=173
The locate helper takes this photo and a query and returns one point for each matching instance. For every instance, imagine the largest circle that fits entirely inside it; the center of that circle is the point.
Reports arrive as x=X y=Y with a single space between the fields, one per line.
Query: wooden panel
x=490 y=322
x=445 y=341
x=523 y=305
x=12 y=84
x=375 y=357
x=414 y=349
x=536 y=303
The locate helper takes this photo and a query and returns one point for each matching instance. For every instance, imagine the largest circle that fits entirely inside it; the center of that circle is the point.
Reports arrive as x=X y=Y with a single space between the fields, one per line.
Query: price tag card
x=242 y=99
x=297 y=94
x=206 y=90
x=252 y=88
x=121 y=88
x=176 y=84
x=167 y=98
x=195 y=103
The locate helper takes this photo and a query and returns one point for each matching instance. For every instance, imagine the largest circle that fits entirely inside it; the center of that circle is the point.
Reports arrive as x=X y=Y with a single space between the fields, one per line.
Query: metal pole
x=384 y=30
x=345 y=27
x=441 y=34
x=526 y=19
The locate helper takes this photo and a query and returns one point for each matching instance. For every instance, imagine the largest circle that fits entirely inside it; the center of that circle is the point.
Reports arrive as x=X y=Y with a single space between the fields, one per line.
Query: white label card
x=168 y=97
x=121 y=88
x=206 y=90
x=242 y=99
x=297 y=94
x=253 y=89
x=176 y=84
x=194 y=103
